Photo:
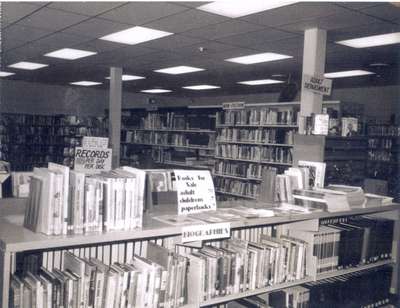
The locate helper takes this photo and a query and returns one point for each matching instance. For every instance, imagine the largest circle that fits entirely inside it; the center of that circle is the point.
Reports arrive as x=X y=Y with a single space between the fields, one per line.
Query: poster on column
x=317 y=85
x=195 y=189
x=94 y=156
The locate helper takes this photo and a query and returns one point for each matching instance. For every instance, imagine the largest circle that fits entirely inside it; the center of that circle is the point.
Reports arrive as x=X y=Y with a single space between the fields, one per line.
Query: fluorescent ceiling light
x=156 y=91
x=70 y=54
x=135 y=35
x=258 y=58
x=351 y=73
x=239 y=8
x=176 y=70
x=5 y=74
x=130 y=77
x=27 y=65
x=372 y=41
x=85 y=83
x=202 y=87
x=260 y=82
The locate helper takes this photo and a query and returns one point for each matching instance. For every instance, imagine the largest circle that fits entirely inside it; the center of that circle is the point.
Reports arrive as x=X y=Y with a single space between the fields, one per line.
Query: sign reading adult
x=317 y=85
x=206 y=232
x=195 y=191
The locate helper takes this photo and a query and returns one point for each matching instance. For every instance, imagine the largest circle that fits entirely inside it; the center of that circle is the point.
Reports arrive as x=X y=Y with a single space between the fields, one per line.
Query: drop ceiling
x=201 y=39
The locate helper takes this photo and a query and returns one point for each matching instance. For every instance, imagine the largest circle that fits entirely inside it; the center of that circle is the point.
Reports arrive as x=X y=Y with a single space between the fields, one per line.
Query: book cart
x=14 y=239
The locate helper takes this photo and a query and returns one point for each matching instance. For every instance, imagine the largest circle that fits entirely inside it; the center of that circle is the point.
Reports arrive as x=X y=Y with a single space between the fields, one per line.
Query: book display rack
x=29 y=141
x=250 y=140
x=183 y=137
x=305 y=241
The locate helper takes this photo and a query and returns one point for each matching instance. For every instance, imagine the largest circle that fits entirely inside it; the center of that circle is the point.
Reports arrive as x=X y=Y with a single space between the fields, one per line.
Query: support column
x=314 y=56
x=115 y=113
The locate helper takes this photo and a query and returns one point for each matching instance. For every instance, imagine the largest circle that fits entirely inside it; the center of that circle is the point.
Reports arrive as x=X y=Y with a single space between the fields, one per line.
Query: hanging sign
x=206 y=232
x=233 y=105
x=195 y=189
x=317 y=85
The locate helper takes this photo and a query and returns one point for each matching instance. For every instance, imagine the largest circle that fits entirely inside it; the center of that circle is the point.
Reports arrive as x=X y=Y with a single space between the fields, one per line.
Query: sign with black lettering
x=92 y=160
x=317 y=85
x=195 y=189
x=206 y=232
x=95 y=142
x=233 y=105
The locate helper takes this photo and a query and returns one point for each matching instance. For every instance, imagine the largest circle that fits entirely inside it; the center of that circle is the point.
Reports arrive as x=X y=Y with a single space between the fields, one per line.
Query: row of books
x=157 y=280
x=349 y=242
x=237 y=187
x=238 y=265
x=169 y=120
x=365 y=289
x=257 y=116
x=240 y=169
x=380 y=143
x=256 y=135
x=381 y=155
x=384 y=130
x=63 y=201
x=255 y=153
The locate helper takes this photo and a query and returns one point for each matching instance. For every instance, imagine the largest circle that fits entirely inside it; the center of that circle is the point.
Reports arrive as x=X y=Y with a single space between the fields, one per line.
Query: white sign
x=233 y=105
x=92 y=160
x=321 y=124
x=95 y=142
x=195 y=189
x=317 y=85
x=206 y=232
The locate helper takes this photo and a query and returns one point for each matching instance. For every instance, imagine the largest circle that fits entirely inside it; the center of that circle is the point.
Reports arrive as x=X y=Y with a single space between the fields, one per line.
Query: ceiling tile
x=185 y=21
x=191 y=4
x=85 y=8
x=138 y=13
x=204 y=49
x=385 y=11
x=255 y=38
x=96 y=27
x=23 y=33
x=332 y=22
x=294 y=13
x=13 y=11
x=228 y=28
x=61 y=40
x=292 y=46
x=52 y=19
x=358 y=5
x=98 y=46
x=10 y=43
x=172 y=43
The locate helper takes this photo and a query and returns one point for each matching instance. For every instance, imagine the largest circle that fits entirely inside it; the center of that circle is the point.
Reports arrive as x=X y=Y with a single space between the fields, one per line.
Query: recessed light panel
x=241 y=8
x=5 y=74
x=85 y=83
x=372 y=41
x=70 y=54
x=259 y=58
x=176 y=70
x=155 y=91
x=130 y=77
x=135 y=35
x=202 y=87
x=27 y=65
x=260 y=82
x=344 y=74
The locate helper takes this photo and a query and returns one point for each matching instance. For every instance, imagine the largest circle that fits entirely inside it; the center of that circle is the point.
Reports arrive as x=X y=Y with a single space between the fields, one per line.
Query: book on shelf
x=316 y=175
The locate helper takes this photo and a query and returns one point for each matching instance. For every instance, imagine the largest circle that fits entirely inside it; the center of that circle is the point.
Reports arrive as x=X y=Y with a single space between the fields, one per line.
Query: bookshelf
x=249 y=140
x=183 y=137
x=29 y=141
x=14 y=240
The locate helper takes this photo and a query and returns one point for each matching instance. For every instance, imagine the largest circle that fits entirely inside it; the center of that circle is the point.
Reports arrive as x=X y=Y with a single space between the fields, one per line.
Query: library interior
x=222 y=154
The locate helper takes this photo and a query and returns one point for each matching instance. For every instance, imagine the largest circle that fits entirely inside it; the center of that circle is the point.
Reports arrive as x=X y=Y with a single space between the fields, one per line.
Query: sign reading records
x=195 y=191
x=93 y=156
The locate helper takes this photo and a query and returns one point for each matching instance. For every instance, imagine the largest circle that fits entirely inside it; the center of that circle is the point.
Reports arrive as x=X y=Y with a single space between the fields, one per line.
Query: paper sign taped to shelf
x=95 y=142
x=317 y=85
x=233 y=105
x=92 y=160
x=195 y=189
x=206 y=232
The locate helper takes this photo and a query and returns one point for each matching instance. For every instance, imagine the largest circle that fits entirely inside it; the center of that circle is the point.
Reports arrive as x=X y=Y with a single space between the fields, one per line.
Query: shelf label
x=92 y=160
x=95 y=142
x=317 y=85
x=195 y=189
x=233 y=105
x=206 y=232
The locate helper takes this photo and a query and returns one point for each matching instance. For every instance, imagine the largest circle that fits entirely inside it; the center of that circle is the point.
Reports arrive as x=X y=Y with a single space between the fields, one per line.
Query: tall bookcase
x=182 y=137
x=249 y=140
x=29 y=141
x=15 y=240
